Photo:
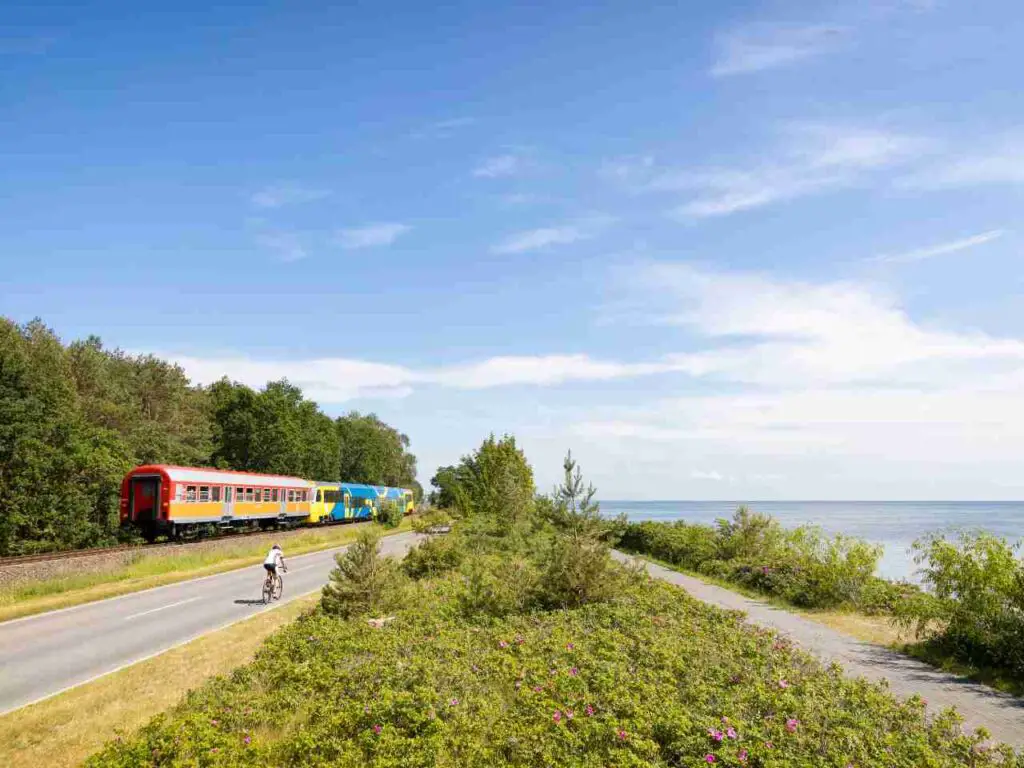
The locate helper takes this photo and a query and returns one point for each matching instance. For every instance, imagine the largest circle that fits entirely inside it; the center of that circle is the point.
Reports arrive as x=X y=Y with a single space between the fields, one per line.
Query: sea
x=893 y=524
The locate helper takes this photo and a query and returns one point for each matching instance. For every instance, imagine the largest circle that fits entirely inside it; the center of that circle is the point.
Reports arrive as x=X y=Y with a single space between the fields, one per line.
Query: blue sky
x=727 y=250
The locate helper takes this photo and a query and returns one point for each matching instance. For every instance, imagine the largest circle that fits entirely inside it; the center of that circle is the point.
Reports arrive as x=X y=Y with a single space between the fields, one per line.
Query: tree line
x=75 y=418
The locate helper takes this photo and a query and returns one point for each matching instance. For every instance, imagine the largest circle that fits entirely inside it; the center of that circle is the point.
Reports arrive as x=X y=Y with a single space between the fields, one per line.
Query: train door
x=228 y=505
x=145 y=499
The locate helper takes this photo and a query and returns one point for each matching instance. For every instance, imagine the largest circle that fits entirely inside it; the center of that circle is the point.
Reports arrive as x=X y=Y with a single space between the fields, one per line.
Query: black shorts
x=272 y=567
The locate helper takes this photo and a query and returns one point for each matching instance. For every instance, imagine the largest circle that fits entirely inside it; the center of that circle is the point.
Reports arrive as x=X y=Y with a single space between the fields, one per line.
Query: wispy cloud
x=758 y=47
x=583 y=228
x=940 y=249
x=498 y=166
x=536 y=239
x=287 y=245
x=279 y=195
x=371 y=235
x=1002 y=163
x=811 y=158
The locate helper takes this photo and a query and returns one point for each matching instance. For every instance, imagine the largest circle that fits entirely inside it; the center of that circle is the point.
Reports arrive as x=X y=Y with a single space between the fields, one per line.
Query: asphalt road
x=45 y=654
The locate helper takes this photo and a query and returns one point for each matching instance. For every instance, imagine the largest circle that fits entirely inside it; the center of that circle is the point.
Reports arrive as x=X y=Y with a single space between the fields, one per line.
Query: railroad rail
x=71 y=554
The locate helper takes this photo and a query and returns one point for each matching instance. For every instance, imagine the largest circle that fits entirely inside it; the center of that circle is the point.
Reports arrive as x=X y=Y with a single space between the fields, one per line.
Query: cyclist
x=275 y=560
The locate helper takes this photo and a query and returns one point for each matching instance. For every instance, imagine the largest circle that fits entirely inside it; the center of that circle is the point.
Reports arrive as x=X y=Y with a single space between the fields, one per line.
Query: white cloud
x=758 y=47
x=816 y=377
x=542 y=238
x=544 y=370
x=287 y=245
x=940 y=249
x=277 y=196
x=812 y=158
x=700 y=474
x=535 y=239
x=1002 y=163
x=371 y=235
x=498 y=166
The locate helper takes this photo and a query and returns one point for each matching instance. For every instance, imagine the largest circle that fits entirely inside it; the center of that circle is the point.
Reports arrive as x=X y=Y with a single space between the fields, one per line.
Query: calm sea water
x=894 y=524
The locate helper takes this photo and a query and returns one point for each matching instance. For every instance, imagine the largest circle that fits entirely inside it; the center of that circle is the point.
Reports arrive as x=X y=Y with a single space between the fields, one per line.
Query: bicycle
x=273 y=587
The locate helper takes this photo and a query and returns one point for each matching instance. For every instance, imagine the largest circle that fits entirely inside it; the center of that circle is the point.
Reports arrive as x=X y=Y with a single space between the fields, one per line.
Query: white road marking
x=161 y=608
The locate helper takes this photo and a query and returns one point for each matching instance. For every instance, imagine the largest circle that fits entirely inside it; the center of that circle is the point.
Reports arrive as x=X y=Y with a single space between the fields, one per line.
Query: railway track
x=72 y=554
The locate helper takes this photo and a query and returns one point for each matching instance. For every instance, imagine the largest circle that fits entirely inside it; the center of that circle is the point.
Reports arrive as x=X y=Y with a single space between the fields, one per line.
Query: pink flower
x=570 y=647
x=769 y=745
x=215 y=750
x=590 y=710
x=215 y=723
x=791 y=724
x=765 y=569
x=377 y=729
x=622 y=735
x=247 y=740
x=503 y=644
x=570 y=714
x=731 y=733
x=709 y=758
x=557 y=717
x=538 y=689
x=742 y=755
x=454 y=702
x=783 y=684
x=725 y=719
x=520 y=640
x=574 y=671
x=716 y=735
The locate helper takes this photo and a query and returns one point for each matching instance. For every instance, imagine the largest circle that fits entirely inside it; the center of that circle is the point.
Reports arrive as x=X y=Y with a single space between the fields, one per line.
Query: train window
x=291 y=495
x=239 y=494
x=248 y=494
x=227 y=494
x=204 y=493
x=215 y=493
x=190 y=493
x=266 y=494
x=320 y=495
x=179 y=493
x=273 y=494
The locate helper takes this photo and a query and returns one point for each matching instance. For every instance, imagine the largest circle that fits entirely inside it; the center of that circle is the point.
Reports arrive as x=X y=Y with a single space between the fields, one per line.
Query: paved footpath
x=45 y=654
x=1000 y=713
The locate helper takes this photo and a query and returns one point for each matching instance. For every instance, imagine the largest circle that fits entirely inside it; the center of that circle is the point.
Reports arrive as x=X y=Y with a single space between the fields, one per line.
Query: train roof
x=219 y=476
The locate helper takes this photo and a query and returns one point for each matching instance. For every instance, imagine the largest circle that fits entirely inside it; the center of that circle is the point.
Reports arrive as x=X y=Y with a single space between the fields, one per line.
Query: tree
x=373 y=452
x=495 y=481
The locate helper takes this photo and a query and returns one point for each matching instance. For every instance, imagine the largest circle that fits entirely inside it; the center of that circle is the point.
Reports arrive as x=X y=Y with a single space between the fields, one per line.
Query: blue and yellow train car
x=338 y=502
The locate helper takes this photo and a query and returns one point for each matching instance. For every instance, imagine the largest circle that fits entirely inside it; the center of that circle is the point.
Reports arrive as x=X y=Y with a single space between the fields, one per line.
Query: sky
x=730 y=250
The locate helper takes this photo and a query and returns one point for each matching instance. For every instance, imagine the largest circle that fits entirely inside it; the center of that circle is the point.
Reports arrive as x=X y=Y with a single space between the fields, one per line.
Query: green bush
x=801 y=566
x=497 y=586
x=652 y=679
x=431 y=519
x=975 y=607
x=435 y=555
x=389 y=514
x=363 y=581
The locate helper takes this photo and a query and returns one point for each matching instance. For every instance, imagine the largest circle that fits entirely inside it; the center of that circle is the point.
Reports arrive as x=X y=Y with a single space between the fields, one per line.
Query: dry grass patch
x=66 y=729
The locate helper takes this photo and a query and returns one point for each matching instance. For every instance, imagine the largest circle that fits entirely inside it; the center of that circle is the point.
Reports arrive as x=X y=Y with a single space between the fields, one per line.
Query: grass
x=66 y=729
x=155 y=570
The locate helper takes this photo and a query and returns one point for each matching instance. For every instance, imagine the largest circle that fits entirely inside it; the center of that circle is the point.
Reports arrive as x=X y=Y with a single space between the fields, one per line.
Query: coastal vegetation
x=75 y=418
x=515 y=640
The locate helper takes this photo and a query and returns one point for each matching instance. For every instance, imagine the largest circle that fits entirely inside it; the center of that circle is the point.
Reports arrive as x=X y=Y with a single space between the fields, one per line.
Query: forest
x=74 y=418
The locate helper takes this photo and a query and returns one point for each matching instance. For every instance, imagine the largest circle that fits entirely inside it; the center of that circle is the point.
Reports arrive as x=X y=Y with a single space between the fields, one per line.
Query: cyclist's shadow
x=249 y=602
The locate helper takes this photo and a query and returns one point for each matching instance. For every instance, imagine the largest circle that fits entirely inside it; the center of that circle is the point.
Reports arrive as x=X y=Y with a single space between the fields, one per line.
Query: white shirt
x=273 y=557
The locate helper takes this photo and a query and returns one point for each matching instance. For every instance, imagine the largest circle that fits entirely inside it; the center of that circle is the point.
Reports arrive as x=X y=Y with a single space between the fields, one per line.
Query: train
x=165 y=500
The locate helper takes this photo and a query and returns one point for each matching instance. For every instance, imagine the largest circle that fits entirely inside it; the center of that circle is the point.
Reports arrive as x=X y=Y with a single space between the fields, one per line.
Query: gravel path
x=1000 y=713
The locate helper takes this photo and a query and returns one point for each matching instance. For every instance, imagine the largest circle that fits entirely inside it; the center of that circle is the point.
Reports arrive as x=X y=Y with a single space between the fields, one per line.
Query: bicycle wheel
x=268 y=590
x=279 y=588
